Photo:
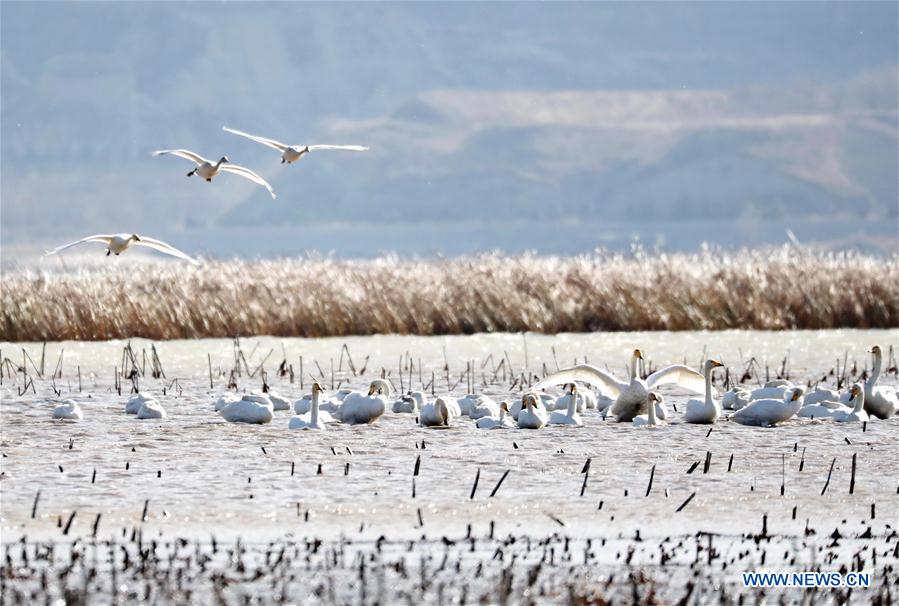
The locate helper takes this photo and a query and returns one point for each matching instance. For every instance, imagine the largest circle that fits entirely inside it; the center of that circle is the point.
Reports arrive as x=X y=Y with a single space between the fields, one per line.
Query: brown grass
x=783 y=288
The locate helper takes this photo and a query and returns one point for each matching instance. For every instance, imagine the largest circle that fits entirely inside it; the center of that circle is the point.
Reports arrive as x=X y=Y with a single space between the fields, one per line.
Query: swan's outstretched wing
x=163 y=247
x=248 y=174
x=269 y=142
x=681 y=375
x=608 y=385
x=182 y=153
x=97 y=238
x=343 y=147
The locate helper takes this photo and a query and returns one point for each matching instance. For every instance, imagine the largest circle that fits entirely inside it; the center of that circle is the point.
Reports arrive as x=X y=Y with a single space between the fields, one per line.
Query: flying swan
x=116 y=244
x=209 y=169
x=631 y=396
x=292 y=153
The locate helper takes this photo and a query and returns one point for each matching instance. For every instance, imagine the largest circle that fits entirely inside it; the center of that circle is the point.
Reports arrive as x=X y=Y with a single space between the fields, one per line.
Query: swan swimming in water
x=359 y=408
x=151 y=409
x=293 y=153
x=249 y=409
x=540 y=405
x=769 y=412
x=311 y=420
x=650 y=419
x=503 y=422
x=531 y=417
x=570 y=416
x=857 y=414
x=436 y=414
x=586 y=399
x=132 y=406
x=223 y=400
x=68 y=410
x=708 y=410
x=410 y=403
x=116 y=244
x=819 y=395
x=483 y=407
x=735 y=399
x=207 y=169
x=882 y=402
x=632 y=396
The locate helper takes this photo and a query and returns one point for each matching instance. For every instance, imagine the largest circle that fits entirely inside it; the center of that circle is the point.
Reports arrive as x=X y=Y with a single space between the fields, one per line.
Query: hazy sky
x=532 y=114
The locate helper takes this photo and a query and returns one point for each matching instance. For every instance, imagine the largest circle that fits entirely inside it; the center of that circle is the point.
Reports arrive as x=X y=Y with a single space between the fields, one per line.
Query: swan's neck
x=652 y=412
x=314 y=420
x=502 y=415
x=859 y=401
x=708 y=387
x=572 y=405
x=218 y=164
x=875 y=374
x=632 y=369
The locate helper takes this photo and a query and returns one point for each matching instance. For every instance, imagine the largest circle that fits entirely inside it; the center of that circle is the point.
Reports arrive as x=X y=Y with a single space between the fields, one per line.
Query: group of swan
x=145 y=407
x=207 y=169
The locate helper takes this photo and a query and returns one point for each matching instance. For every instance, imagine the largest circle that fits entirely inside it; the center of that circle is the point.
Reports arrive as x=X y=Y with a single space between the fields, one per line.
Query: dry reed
x=775 y=289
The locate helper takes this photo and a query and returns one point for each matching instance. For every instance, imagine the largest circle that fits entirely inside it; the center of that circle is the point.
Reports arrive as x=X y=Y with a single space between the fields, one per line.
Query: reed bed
x=784 y=288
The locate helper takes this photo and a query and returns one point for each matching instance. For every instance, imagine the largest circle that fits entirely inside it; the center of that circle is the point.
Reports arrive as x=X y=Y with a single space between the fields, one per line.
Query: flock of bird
x=206 y=169
x=634 y=400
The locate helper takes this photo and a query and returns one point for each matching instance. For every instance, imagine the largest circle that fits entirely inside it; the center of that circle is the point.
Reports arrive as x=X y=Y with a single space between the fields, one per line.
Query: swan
x=208 y=169
x=857 y=414
x=325 y=405
x=68 y=410
x=586 y=399
x=531 y=417
x=278 y=403
x=411 y=403
x=359 y=408
x=116 y=244
x=631 y=396
x=821 y=394
x=540 y=405
x=132 y=406
x=708 y=410
x=466 y=402
x=570 y=416
x=151 y=409
x=436 y=414
x=293 y=153
x=312 y=419
x=650 y=419
x=882 y=402
x=483 y=407
x=735 y=399
x=503 y=422
x=769 y=411
x=223 y=400
x=767 y=393
x=822 y=410
x=249 y=409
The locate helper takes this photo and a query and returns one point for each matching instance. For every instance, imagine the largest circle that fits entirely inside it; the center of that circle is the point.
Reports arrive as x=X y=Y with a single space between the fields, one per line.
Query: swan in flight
x=208 y=169
x=650 y=419
x=311 y=420
x=359 y=408
x=116 y=244
x=293 y=153
x=631 y=396
x=68 y=410
x=882 y=402
x=708 y=410
x=570 y=416
x=769 y=411
x=857 y=414
x=436 y=414
x=151 y=409
x=503 y=422
x=249 y=409
x=531 y=417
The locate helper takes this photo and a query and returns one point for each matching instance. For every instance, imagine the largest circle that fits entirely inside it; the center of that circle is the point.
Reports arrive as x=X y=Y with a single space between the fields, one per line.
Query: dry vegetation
x=783 y=288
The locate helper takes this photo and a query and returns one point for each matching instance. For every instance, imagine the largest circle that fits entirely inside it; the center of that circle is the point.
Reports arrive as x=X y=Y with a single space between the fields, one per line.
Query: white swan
x=769 y=412
x=650 y=419
x=207 y=169
x=249 y=409
x=570 y=416
x=359 y=408
x=116 y=244
x=225 y=399
x=483 y=407
x=132 y=406
x=278 y=402
x=708 y=410
x=151 y=409
x=882 y=402
x=436 y=414
x=292 y=153
x=770 y=392
x=410 y=403
x=585 y=399
x=735 y=399
x=819 y=395
x=857 y=414
x=540 y=405
x=531 y=417
x=312 y=419
x=466 y=402
x=631 y=396
x=68 y=410
x=503 y=422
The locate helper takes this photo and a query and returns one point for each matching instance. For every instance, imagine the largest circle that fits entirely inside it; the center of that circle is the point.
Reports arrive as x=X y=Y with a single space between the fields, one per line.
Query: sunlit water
x=199 y=475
